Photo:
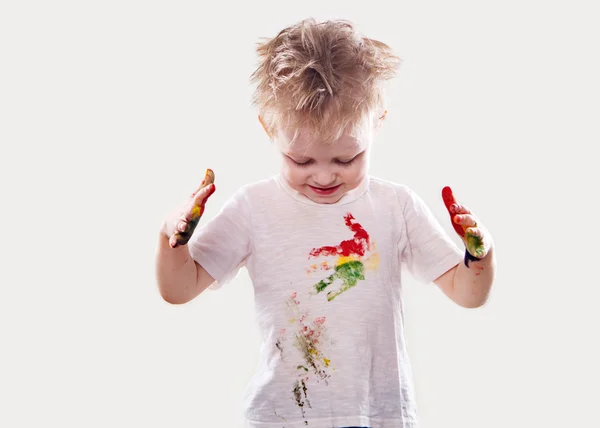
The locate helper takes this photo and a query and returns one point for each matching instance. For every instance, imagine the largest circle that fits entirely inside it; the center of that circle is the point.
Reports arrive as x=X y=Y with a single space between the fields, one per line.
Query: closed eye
x=351 y=161
x=346 y=163
x=337 y=161
x=300 y=163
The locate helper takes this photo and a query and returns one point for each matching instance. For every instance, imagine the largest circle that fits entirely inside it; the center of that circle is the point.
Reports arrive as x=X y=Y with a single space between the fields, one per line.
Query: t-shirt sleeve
x=222 y=245
x=426 y=249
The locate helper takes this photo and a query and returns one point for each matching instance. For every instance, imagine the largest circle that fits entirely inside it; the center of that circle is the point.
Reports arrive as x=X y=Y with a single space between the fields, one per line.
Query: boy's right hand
x=180 y=225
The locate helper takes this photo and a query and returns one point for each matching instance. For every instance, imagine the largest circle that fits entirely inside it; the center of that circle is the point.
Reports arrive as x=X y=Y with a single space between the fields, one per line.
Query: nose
x=324 y=178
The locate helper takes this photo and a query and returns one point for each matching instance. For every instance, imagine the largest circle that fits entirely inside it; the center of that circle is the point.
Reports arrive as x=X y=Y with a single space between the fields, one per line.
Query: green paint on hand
x=475 y=245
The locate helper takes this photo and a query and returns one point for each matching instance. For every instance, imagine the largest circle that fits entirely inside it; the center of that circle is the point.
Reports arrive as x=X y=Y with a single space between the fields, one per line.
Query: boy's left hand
x=476 y=238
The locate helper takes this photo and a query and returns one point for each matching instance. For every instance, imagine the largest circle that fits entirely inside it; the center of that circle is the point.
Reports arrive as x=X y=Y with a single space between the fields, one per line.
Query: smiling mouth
x=325 y=188
x=324 y=191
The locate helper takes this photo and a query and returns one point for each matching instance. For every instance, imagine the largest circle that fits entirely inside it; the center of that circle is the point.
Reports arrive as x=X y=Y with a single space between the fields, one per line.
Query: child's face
x=324 y=172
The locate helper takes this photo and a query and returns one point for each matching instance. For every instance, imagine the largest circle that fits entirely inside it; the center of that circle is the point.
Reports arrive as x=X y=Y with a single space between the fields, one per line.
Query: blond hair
x=326 y=77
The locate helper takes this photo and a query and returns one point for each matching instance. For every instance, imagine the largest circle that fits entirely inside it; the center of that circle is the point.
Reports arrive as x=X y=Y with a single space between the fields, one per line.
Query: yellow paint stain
x=372 y=263
x=311 y=269
x=345 y=259
x=292 y=320
x=326 y=361
x=196 y=211
x=313 y=351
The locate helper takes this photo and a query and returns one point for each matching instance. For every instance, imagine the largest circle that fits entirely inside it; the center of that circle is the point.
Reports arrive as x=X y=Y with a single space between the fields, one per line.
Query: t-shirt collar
x=348 y=197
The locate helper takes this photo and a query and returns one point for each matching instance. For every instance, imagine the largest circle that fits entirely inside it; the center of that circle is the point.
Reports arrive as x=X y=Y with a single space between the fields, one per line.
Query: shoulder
x=258 y=188
x=401 y=193
x=256 y=192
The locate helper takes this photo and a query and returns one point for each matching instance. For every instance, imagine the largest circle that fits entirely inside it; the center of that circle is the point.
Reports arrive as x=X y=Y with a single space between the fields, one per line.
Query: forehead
x=307 y=146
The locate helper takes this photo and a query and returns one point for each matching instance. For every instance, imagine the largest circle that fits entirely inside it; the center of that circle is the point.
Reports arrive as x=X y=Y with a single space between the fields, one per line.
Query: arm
x=470 y=286
x=180 y=279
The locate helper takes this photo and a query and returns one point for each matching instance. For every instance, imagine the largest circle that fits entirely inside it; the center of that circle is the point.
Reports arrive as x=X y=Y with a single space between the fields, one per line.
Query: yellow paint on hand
x=196 y=212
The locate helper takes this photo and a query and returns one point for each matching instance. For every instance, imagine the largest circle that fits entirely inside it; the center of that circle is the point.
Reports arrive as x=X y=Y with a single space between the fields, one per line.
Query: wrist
x=470 y=258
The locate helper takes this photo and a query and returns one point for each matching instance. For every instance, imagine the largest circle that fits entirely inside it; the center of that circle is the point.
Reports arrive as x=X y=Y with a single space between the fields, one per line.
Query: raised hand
x=476 y=238
x=180 y=225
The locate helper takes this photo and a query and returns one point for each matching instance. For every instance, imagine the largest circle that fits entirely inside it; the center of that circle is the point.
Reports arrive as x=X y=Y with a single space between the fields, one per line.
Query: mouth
x=324 y=191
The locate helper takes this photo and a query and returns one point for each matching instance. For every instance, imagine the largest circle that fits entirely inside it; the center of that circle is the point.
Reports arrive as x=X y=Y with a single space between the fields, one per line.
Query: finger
x=202 y=196
x=185 y=230
x=183 y=226
x=179 y=238
x=460 y=209
x=191 y=217
x=465 y=220
x=450 y=203
x=194 y=213
x=209 y=178
x=173 y=241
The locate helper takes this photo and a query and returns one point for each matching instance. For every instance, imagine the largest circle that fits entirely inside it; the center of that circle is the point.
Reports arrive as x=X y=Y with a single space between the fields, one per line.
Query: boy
x=324 y=242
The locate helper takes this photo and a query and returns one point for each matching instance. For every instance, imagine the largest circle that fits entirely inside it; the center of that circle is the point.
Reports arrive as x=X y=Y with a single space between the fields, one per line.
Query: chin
x=325 y=199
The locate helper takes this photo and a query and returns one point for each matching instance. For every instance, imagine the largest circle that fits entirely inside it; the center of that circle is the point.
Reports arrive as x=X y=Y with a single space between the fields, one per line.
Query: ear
x=264 y=127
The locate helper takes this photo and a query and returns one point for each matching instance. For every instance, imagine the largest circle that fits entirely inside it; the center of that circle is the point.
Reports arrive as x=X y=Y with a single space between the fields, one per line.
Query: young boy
x=324 y=242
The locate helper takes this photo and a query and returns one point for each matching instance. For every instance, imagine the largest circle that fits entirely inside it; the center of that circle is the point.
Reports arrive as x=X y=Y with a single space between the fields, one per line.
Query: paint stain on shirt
x=354 y=256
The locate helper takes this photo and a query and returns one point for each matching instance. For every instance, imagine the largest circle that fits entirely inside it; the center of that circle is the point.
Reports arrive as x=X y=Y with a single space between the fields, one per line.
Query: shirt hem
x=443 y=266
x=345 y=421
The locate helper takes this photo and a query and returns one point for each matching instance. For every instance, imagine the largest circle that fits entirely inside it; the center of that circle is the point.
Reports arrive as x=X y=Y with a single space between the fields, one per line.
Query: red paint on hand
x=449 y=200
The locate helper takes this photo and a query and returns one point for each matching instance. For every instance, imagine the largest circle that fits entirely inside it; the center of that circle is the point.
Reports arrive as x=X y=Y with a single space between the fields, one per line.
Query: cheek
x=294 y=175
x=355 y=173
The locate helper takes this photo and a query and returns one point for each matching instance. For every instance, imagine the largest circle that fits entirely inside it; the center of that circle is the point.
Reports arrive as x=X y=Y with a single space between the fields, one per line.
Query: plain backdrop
x=110 y=112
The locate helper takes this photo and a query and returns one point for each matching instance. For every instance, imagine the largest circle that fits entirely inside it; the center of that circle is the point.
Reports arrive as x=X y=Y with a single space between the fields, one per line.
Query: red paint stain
x=449 y=200
x=356 y=246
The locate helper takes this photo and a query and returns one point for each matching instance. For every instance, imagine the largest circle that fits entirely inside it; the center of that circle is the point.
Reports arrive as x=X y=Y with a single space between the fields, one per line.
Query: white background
x=111 y=111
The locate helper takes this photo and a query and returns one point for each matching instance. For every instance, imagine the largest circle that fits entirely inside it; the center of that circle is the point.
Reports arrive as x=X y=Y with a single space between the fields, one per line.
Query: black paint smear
x=470 y=258
x=299 y=388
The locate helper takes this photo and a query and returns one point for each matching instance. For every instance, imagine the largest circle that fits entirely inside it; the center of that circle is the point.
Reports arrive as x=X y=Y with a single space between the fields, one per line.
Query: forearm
x=175 y=272
x=472 y=284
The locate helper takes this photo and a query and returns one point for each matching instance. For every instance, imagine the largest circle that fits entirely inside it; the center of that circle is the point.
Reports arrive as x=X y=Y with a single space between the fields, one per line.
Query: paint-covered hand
x=180 y=225
x=476 y=238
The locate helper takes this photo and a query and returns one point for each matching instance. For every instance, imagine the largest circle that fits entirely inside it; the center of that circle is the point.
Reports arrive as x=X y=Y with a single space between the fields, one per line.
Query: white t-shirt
x=327 y=283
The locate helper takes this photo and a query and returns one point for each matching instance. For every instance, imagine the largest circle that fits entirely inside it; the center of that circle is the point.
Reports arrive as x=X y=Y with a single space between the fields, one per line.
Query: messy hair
x=322 y=76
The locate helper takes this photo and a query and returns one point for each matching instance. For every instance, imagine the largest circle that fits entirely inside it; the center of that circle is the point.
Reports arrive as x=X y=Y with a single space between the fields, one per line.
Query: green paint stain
x=349 y=273
x=475 y=245
x=321 y=285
